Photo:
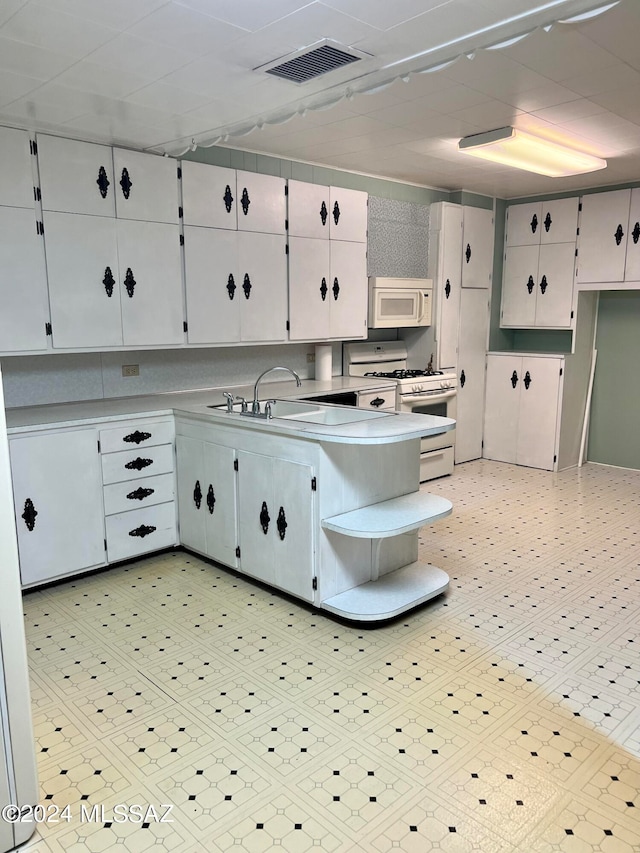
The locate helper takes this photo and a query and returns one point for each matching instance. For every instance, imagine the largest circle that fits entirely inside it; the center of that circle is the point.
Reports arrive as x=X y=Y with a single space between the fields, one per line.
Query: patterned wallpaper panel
x=398 y=238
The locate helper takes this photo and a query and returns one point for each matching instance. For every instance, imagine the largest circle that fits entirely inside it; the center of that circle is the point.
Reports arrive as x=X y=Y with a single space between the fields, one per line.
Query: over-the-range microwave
x=399 y=302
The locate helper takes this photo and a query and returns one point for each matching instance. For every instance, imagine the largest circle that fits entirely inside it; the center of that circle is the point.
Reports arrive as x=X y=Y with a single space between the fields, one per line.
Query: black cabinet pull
x=245 y=201
x=336 y=212
x=547 y=222
x=636 y=232
x=336 y=288
x=211 y=499
x=463 y=379
x=264 y=518
x=323 y=288
x=527 y=380
x=139 y=494
x=231 y=286
x=138 y=464
x=197 y=494
x=129 y=282
x=143 y=530
x=514 y=379
x=136 y=437
x=377 y=402
x=534 y=224
x=543 y=284
x=126 y=183
x=531 y=284
x=102 y=182
x=246 y=285
x=619 y=235
x=281 y=523
x=324 y=213
x=447 y=289
x=467 y=253
x=29 y=514
x=108 y=281
x=228 y=198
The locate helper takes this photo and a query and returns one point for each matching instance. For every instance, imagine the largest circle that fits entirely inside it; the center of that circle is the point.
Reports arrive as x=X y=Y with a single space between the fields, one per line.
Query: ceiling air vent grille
x=309 y=63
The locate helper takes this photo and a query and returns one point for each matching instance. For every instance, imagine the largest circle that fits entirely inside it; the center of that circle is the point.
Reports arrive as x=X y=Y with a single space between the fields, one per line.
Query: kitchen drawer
x=436 y=463
x=135 y=494
x=370 y=399
x=136 y=435
x=134 y=464
x=140 y=531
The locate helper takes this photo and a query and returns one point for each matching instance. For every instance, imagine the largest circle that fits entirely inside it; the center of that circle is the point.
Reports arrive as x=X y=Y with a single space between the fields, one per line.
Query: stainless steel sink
x=313 y=413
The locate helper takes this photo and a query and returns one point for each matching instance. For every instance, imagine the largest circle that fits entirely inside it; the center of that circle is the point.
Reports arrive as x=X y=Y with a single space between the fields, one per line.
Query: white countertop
x=388 y=428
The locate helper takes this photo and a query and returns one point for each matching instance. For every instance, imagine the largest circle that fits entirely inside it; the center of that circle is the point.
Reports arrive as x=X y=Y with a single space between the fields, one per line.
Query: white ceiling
x=157 y=74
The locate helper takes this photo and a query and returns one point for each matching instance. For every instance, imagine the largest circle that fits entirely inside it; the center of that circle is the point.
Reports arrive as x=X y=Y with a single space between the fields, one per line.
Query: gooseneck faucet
x=255 y=406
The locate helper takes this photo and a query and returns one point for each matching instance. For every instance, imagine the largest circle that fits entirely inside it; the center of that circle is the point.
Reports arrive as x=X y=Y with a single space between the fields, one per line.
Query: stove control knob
x=445 y=384
x=416 y=389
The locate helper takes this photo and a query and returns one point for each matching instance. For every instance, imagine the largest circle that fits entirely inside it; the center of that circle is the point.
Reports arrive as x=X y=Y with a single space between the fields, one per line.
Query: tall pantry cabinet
x=460 y=264
x=23 y=281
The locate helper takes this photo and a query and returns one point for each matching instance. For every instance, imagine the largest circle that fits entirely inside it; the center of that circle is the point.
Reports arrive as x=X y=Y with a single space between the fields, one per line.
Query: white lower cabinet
x=522 y=409
x=275 y=503
x=58 y=500
x=472 y=335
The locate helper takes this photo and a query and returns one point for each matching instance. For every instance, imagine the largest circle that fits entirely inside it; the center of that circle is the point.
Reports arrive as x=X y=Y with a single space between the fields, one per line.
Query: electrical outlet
x=131 y=370
x=311 y=357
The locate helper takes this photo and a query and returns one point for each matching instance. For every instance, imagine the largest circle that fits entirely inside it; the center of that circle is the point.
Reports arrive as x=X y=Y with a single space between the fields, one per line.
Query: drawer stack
x=138 y=475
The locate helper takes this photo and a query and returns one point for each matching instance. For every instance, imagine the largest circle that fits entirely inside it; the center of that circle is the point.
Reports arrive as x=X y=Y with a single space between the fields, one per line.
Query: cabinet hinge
x=286 y=225
x=314 y=583
x=286 y=189
x=34 y=147
x=179 y=172
x=555 y=458
x=572 y=315
x=47 y=329
x=185 y=326
x=288 y=326
x=105 y=544
x=40 y=228
x=576 y=253
x=286 y=249
x=99 y=448
x=235 y=464
x=560 y=371
x=37 y=195
x=238 y=552
x=579 y=206
x=180 y=212
x=314 y=484
x=182 y=239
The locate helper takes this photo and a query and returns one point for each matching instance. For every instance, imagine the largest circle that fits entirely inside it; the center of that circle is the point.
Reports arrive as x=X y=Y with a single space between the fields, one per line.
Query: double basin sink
x=311 y=413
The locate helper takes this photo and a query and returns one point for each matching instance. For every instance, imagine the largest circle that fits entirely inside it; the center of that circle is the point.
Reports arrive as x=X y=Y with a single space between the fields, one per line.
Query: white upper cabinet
x=309 y=210
x=348 y=215
x=632 y=263
x=209 y=195
x=16 y=175
x=477 y=247
x=146 y=186
x=603 y=238
x=445 y=268
x=76 y=177
x=261 y=203
x=542 y=222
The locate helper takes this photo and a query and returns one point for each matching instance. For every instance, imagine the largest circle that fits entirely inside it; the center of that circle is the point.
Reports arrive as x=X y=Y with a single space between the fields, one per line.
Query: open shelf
x=390 y=595
x=391 y=517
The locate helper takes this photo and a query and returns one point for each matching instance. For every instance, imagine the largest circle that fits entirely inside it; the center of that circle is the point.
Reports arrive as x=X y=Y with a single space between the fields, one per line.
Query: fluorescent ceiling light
x=513 y=147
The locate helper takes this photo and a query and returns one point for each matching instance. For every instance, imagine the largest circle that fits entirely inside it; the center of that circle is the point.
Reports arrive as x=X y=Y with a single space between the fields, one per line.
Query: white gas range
x=423 y=391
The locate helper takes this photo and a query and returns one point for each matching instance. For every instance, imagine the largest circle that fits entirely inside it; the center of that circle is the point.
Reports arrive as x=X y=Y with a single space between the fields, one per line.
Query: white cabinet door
x=502 y=406
x=554 y=291
x=474 y=327
x=602 y=242
x=150 y=283
x=538 y=412
x=538 y=223
x=58 y=498
x=191 y=489
x=256 y=516
x=309 y=210
x=209 y=195
x=477 y=247
x=16 y=173
x=523 y=223
x=632 y=265
x=348 y=215
x=84 y=288
x=213 y=286
x=310 y=294
x=76 y=177
x=261 y=203
x=520 y=286
x=146 y=186
x=348 y=290
x=262 y=264
x=448 y=286
x=219 y=503
x=23 y=282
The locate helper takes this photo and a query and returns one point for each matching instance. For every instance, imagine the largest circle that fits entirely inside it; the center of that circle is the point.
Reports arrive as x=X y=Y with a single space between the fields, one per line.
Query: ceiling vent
x=311 y=62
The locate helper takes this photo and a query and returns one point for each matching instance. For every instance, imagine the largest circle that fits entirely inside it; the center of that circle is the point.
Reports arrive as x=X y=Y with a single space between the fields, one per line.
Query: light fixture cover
x=522 y=150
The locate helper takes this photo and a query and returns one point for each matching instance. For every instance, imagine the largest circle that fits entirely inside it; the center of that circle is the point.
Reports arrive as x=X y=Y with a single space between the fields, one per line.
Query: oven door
x=441 y=403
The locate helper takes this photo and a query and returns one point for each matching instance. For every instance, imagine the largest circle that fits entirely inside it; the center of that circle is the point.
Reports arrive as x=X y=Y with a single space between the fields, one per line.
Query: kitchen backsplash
x=398 y=242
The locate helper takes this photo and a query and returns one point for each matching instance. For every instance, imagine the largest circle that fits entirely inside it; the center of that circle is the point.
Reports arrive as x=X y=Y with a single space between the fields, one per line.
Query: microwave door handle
x=422 y=306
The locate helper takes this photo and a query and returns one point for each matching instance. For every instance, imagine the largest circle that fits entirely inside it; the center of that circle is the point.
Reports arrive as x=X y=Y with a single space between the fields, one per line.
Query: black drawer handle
x=463 y=379
x=102 y=182
x=544 y=284
x=211 y=499
x=323 y=213
x=197 y=494
x=231 y=286
x=377 y=402
x=447 y=289
x=264 y=517
x=129 y=282
x=246 y=285
x=534 y=224
x=336 y=288
x=636 y=232
x=29 y=514
x=281 y=523
x=531 y=284
x=336 y=212
x=514 y=379
x=547 y=222
x=323 y=289
x=143 y=530
x=527 y=380
x=139 y=494
x=108 y=281
x=619 y=235
x=137 y=437
x=467 y=253
x=126 y=183
x=228 y=198
x=138 y=464
x=245 y=201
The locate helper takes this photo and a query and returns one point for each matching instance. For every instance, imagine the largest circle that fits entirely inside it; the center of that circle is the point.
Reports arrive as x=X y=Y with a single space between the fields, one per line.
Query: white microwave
x=399 y=302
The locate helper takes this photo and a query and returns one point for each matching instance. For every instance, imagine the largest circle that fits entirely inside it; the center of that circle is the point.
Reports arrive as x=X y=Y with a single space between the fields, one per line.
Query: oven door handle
x=430 y=398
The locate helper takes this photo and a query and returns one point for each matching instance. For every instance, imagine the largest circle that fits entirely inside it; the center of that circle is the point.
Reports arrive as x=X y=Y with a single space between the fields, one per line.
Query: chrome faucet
x=255 y=406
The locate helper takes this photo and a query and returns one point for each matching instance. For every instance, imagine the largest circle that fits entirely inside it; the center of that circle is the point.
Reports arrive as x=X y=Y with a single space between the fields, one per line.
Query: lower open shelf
x=390 y=595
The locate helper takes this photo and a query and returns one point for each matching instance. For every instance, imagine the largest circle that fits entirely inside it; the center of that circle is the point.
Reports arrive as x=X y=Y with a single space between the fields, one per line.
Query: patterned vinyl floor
x=502 y=717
